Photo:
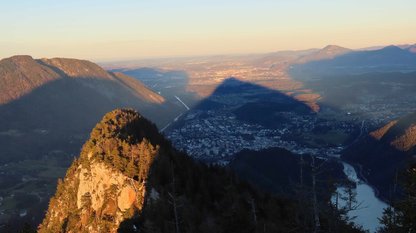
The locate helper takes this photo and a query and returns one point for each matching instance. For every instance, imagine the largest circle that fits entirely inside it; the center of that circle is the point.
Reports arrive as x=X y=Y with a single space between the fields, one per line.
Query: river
x=370 y=209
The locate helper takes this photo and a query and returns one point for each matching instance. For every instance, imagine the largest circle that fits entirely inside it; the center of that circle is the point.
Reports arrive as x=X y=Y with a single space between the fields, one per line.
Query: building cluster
x=216 y=135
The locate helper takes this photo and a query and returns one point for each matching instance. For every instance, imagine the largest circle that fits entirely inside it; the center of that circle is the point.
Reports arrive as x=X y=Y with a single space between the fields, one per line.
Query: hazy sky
x=124 y=29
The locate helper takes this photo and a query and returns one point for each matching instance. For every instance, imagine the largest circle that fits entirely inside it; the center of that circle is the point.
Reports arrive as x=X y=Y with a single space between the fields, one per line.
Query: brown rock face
x=127 y=197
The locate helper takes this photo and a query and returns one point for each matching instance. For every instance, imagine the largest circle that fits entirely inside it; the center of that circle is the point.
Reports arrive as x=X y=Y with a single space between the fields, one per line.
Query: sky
x=105 y=30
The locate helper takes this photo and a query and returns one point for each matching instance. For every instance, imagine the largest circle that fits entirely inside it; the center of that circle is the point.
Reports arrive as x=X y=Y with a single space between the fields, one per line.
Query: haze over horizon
x=107 y=30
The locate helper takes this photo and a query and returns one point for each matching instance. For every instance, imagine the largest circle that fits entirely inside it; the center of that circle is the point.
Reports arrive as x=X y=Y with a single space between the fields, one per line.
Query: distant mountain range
x=20 y=75
x=334 y=59
x=402 y=46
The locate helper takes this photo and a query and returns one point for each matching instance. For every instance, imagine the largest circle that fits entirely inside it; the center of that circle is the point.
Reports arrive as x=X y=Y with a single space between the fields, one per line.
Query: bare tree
x=317 y=222
x=173 y=201
x=253 y=211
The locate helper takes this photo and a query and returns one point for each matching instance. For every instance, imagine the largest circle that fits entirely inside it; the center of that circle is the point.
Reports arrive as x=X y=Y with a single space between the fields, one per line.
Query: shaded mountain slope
x=21 y=74
x=384 y=153
x=279 y=171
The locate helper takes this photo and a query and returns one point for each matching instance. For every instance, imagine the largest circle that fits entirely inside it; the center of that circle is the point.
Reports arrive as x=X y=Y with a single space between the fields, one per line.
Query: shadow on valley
x=232 y=119
x=241 y=115
x=250 y=103
x=188 y=196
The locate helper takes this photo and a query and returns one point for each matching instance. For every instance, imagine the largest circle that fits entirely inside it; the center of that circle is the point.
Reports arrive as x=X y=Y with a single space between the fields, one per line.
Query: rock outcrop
x=106 y=184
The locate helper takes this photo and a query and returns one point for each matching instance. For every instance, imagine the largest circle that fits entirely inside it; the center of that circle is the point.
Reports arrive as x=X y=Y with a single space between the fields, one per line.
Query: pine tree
x=401 y=218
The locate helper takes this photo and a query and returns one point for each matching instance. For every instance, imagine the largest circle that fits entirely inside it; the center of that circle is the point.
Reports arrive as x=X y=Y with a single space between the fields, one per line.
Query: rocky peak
x=328 y=52
x=333 y=50
x=20 y=59
x=392 y=48
x=107 y=183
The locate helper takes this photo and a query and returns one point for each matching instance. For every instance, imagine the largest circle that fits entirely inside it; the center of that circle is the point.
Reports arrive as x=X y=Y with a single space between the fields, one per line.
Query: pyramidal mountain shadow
x=249 y=102
x=239 y=115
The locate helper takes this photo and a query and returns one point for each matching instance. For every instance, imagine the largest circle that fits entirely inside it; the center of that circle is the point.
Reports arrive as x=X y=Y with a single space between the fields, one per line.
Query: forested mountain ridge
x=19 y=75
